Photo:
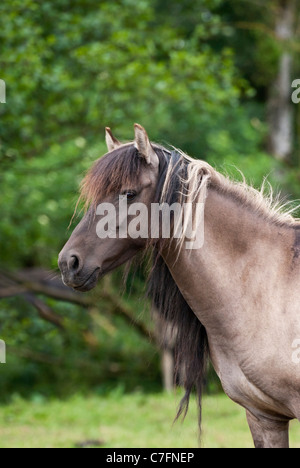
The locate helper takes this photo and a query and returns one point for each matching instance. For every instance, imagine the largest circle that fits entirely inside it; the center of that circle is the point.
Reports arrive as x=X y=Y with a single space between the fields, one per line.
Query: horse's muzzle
x=74 y=274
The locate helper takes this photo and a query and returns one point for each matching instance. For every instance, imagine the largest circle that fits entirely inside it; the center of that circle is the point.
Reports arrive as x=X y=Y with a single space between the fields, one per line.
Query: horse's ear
x=111 y=141
x=143 y=145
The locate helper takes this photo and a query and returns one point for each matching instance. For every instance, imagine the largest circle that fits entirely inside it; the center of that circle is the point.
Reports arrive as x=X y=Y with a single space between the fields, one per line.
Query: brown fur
x=237 y=296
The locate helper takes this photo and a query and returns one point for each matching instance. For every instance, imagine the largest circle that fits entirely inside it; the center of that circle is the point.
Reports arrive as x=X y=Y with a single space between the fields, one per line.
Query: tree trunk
x=166 y=339
x=280 y=110
x=168 y=369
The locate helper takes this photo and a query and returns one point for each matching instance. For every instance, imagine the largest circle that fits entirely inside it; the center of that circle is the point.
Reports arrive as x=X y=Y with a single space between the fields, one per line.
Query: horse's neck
x=241 y=252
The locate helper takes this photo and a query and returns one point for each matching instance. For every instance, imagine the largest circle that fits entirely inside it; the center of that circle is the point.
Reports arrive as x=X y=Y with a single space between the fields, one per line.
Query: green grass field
x=124 y=420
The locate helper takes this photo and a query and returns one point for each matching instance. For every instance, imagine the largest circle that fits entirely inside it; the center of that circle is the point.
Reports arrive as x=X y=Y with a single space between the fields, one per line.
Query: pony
x=234 y=300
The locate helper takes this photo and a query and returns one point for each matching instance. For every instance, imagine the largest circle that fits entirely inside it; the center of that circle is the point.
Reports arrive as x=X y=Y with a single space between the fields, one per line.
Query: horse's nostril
x=73 y=263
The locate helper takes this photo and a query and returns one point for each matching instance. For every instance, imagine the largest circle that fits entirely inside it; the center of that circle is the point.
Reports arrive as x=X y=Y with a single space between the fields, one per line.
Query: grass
x=124 y=420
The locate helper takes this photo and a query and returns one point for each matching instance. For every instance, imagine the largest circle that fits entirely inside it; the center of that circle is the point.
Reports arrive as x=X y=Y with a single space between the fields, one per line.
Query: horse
x=233 y=301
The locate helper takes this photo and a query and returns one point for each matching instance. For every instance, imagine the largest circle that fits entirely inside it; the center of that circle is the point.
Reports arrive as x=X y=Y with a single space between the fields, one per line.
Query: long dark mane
x=191 y=344
x=122 y=167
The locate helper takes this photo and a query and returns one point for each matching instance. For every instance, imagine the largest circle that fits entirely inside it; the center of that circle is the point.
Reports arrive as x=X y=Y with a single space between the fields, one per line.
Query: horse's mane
x=123 y=166
x=181 y=179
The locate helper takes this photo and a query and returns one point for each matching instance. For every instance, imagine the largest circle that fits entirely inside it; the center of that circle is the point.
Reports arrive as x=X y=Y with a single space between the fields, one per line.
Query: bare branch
x=26 y=283
x=45 y=312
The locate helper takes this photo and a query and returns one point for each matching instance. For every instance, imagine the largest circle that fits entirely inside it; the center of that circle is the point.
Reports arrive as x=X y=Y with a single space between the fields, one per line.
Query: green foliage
x=98 y=64
x=72 y=74
x=38 y=199
x=96 y=351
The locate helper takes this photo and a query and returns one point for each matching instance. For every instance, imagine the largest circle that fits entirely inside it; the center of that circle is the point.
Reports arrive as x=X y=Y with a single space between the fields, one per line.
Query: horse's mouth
x=90 y=282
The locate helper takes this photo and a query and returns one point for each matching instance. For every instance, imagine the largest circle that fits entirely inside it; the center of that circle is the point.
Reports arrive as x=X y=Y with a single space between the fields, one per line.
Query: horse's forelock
x=119 y=168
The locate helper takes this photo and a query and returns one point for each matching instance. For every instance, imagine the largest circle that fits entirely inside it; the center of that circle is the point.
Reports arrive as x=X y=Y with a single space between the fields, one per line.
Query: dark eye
x=130 y=195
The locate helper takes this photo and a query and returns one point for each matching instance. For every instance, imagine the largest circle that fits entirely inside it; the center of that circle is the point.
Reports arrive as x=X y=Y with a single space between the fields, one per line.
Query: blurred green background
x=212 y=77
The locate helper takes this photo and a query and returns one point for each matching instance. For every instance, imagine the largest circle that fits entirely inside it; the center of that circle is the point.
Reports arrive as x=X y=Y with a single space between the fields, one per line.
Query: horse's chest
x=254 y=393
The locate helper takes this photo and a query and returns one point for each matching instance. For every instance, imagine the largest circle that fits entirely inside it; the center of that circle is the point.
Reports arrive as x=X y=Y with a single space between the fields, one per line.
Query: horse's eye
x=130 y=195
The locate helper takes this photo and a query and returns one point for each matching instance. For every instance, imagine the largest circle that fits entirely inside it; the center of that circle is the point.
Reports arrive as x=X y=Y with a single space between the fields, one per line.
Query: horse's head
x=128 y=172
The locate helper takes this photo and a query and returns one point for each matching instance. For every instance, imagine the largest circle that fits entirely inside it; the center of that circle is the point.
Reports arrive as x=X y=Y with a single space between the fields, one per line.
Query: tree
x=280 y=110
